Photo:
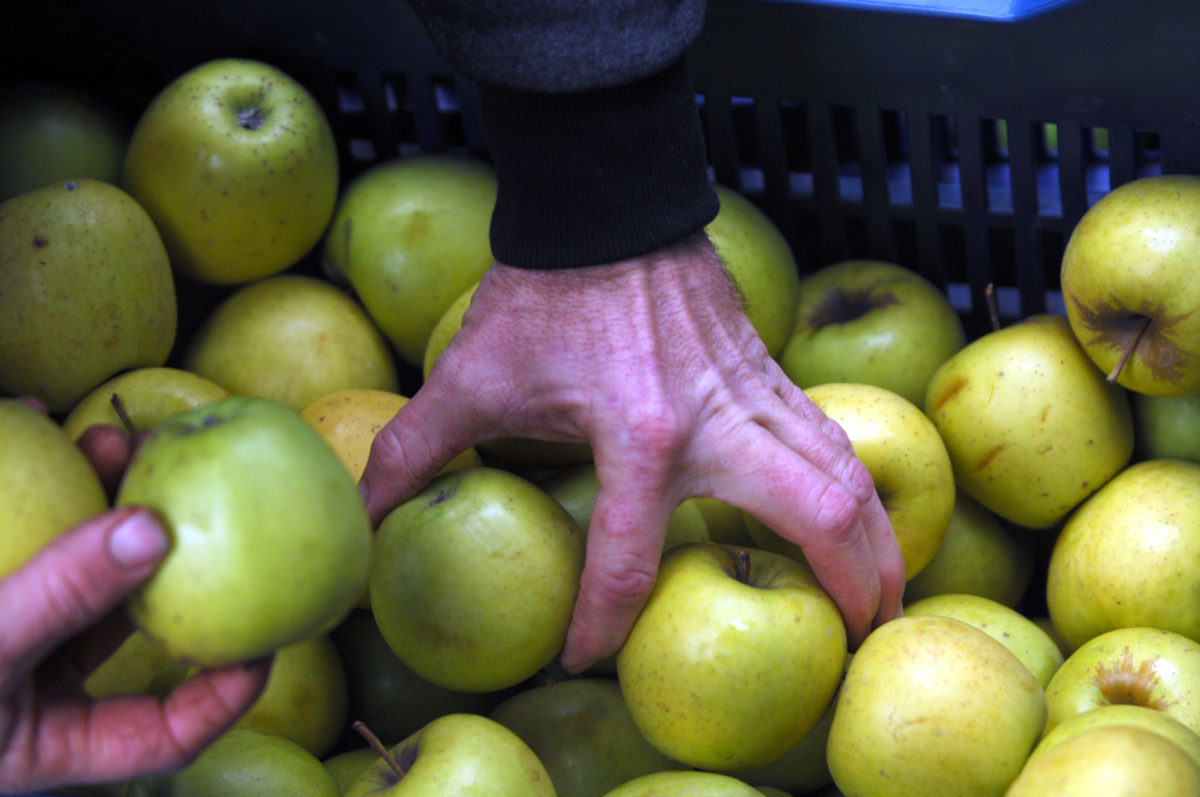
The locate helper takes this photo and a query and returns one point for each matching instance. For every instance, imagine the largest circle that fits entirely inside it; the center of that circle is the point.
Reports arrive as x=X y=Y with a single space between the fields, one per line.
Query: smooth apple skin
x=1031 y=425
x=1166 y=427
x=467 y=755
x=1126 y=556
x=146 y=395
x=685 y=784
x=473 y=580
x=932 y=705
x=731 y=662
x=1138 y=666
x=1125 y=760
x=270 y=541
x=1132 y=256
x=236 y=200
x=873 y=322
x=1125 y=715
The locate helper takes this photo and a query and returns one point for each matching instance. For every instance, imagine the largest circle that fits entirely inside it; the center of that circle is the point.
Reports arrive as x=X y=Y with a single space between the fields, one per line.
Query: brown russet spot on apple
x=841 y=306
x=950 y=391
x=1127 y=683
x=1143 y=330
x=39 y=241
x=990 y=456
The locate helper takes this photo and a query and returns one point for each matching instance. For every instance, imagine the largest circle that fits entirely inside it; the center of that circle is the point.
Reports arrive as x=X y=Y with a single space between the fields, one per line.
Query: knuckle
x=622 y=585
x=836 y=516
x=657 y=428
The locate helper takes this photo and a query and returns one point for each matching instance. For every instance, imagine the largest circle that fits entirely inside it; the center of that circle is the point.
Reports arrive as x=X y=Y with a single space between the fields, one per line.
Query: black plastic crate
x=963 y=144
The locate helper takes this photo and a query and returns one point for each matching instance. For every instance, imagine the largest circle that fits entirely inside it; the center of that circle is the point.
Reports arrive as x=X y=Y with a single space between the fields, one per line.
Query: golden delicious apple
x=1144 y=717
x=291 y=338
x=906 y=458
x=734 y=658
x=236 y=163
x=932 y=705
x=1166 y=427
x=1127 y=556
x=145 y=395
x=411 y=235
x=444 y=330
x=88 y=291
x=1116 y=759
x=762 y=266
x=347 y=765
x=683 y=783
x=137 y=667
x=47 y=485
x=1129 y=282
x=1031 y=425
x=801 y=770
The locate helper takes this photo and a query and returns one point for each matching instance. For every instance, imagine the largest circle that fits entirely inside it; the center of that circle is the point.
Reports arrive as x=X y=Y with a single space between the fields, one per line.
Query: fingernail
x=137 y=541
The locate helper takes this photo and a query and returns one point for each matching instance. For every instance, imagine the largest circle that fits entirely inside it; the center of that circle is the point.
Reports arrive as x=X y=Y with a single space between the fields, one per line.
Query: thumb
x=73 y=582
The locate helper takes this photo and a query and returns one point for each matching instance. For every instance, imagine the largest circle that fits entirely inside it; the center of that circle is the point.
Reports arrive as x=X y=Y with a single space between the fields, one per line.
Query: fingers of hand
x=109 y=450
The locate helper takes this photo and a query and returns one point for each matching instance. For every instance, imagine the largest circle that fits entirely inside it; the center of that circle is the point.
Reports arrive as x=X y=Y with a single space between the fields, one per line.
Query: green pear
x=138 y=666
x=52 y=132
x=683 y=783
x=144 y=396
x=582 y=732
x=47 y=485
x=467 y=755
x=980 y=554
x=244 y=763
x=291 y=338
x=1027 y=641
x=1125 y=556
x=1030 y=423
x=1116 y=759
x=411 y=235
x=270 y=541
x=473 y=580
x=384 y=693
x=88 y=291
x=305 y=698
x=932 y=705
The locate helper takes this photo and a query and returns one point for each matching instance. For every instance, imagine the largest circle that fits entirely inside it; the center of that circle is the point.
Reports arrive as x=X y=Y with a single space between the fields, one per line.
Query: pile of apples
x=207 y=280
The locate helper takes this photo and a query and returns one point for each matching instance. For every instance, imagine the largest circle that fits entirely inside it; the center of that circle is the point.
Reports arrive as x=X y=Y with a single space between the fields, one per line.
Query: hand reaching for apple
x=51 y=732
x=654 y=363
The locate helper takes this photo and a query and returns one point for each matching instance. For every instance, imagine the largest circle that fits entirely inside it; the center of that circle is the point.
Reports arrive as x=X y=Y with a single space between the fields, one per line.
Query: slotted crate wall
x=962 y=146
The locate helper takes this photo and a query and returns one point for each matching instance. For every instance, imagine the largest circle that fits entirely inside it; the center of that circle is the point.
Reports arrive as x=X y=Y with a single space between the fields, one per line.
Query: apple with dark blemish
x=1031 y=425
x=1129 y=280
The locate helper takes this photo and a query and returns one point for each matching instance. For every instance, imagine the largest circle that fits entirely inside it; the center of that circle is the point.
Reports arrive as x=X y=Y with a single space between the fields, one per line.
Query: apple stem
x=379 y=747
x=119 y=407
x=1115 y=373
x=743 y=565
x=989 y=294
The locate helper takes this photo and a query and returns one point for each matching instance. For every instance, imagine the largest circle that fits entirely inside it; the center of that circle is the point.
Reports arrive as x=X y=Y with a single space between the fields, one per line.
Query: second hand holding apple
x=654 y=363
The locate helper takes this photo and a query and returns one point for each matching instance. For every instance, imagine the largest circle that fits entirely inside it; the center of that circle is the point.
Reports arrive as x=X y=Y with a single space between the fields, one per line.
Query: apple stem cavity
x=250 y=118
x=742 y=559
x=1115 y=373
x=379 y=747
x=119 y=407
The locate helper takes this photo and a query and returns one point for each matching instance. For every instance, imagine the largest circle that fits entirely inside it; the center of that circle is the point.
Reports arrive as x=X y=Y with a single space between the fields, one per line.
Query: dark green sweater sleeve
x=591 y=123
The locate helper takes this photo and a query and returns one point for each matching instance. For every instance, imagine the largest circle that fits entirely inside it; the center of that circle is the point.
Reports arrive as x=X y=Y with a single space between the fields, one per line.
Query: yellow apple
x=145 y=395
x=137 y=667
x=1124 y=714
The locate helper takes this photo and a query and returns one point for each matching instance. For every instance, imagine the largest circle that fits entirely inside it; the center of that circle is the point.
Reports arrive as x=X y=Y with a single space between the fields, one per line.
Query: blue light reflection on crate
x=1010 y=10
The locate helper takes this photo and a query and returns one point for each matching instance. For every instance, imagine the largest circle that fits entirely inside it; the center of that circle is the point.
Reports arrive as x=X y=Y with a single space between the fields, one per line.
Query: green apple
x=137 y=667
x=932 y=705
x=291 y=338
x=734 y=658
x=348 y=765
x=1129 y=284
x=726 y=523
x=445 y=329
x=1124 y=714
x=47 y=485
x=1006 y=625
x=980 y=554
x=761 y=263
x=1126 y=556
x=384 y=693
x=145 y=397
x=52 y=132
x=473 y=580
x=1117 y=759
x=1166 y=427
x=873 y=322
x=305 y=698
x=270 y=541
x=244 y=763
x=255 y=151
x=410 y=235
x=582 y=731
x=1031 y=425
x=907 y=460
x=576 y=488
x=801 y=770
x=466 y=755
x=684 y=783
x=1136 y=666
x=88 y=291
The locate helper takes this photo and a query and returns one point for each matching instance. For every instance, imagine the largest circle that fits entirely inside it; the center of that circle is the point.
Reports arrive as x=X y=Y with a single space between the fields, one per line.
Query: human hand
x=653 y=362
x=61 y=619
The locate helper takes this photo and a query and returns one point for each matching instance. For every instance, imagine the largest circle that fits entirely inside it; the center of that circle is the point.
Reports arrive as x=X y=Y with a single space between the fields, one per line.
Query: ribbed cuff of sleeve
x=596 y=176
